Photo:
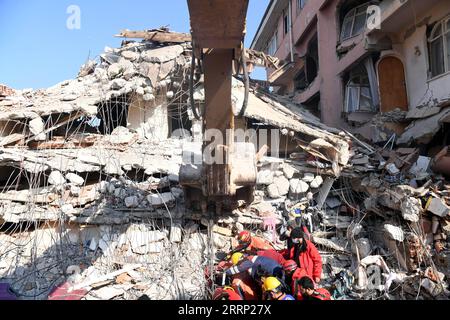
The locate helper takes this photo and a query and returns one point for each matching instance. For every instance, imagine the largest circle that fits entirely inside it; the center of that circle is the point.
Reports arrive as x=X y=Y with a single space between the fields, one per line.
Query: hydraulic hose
x=191 y=86
x=246 y=84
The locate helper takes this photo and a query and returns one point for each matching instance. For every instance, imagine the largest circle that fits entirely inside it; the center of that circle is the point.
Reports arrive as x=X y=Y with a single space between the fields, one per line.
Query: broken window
x=312 y=60
x=354 y=22
x=309 y=72
x=300 y=81
x=361 y=91
x=439 y=43
x=113 y=114
x=273 y=45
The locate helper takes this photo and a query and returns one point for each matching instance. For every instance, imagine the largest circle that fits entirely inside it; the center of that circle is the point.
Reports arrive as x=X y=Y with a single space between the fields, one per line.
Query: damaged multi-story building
x=349 y=61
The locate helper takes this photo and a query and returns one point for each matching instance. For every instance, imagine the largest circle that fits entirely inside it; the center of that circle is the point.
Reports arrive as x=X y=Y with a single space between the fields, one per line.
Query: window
x=300 y=81
x=439 y=43
x=300 y=5
x=358 y=95
x=273 y=45
x=286 y=22
x=354 y=22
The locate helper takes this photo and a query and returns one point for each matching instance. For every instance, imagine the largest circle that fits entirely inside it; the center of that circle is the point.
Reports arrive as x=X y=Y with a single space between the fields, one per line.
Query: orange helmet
x=289 y=265
x=244 y=236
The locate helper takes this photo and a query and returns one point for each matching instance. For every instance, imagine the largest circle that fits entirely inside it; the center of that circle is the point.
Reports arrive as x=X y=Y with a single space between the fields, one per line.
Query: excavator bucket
x=219 y=24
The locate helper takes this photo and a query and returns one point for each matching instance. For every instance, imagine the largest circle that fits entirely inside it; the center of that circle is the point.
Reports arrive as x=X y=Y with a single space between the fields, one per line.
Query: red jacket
x=272 y=254
x=310 y=260
x=298 y=274
x=319 y=294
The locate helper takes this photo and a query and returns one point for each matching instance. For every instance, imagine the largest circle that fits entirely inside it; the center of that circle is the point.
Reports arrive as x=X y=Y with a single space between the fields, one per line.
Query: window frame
x=351 y=86
x=299 y=5
x=273 y=39
x=352 y=14
x=444 y=35
x=286 y=22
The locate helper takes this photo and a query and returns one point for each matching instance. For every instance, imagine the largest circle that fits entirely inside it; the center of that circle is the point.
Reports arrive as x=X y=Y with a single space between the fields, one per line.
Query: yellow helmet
x=235 y=258
x=271 y=284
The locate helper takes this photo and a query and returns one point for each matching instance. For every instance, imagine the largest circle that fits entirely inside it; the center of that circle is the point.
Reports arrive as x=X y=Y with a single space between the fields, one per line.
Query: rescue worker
x=272 y=254
x=256 y=266
x=274 y=290
x=305 y=254
x=251 y=244
x=226 y=293
x=309 y=292
x=292 y=273
x=243 y=283
x=295 y=221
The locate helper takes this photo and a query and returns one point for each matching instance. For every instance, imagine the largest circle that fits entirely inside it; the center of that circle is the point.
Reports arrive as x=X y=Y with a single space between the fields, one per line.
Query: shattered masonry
x=91 y=199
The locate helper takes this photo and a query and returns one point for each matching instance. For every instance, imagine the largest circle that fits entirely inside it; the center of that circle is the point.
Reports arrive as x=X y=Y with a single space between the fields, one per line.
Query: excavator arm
x=218 y=28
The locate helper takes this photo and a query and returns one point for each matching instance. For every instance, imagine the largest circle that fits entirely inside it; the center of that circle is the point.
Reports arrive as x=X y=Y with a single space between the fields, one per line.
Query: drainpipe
x=290 y=31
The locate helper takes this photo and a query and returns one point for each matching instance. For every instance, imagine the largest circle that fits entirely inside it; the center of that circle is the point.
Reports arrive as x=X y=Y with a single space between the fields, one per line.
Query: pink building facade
x=349 y=60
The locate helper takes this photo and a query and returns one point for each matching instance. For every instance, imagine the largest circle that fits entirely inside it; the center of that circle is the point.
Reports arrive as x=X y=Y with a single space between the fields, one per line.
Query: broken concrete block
x=272 y=191
x=411 y=209
x=140 y=91
x=56 y=178
x=149 y=97
x=170 y=95
x=288 y=171
x=70 y=97
x=297 y=186
x=279 y=187
x=223 y=231
x=282 y=184
x=265 y=177
x=317 y=182
x=308 y=177
x=438 y=207
x=392 y=169
x=37 y=126
x=395 y=233
x=115 y=70
x=117 y=84
x=176 y=233
x=130 y=55
x=163 y=54
x=132 y=202
x=160 y=199
x=113 y=167
x=75 y=179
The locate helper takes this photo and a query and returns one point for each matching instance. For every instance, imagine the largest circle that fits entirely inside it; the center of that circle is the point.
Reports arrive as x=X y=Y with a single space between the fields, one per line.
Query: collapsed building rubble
x=91 y=205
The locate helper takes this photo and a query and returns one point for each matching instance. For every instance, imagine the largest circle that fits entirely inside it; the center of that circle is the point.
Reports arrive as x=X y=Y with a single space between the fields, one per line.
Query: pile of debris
x=90 y=182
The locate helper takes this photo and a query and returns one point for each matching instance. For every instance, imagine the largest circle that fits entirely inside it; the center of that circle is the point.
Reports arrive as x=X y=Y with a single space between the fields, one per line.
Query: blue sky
x=37 y=50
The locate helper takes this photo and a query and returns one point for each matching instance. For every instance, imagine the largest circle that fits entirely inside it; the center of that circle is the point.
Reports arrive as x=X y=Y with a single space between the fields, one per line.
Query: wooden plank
x=157 y=36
